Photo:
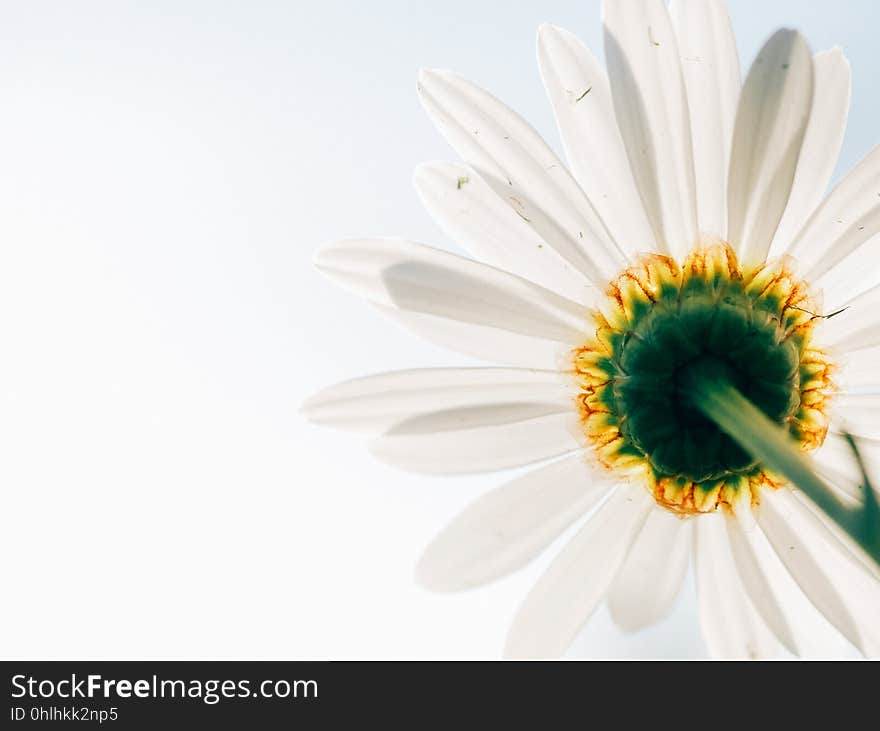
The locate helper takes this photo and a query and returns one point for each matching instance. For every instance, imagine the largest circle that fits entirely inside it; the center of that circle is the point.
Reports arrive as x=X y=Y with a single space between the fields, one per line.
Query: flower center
x=663 y=325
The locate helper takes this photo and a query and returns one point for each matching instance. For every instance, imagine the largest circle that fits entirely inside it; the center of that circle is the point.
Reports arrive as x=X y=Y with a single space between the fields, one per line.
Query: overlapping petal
x=492 y=231
x=376 y=403
x=479 y=439
x=652 y=111
x=774 y=110
x=731 y=625
x=710 y=66
x=524 y=172
x=650 y=579
x=458 y=302
x=858 y=326
x=753 y=558
x=578 y=89
x=821 y=146
x=578 y=578
x=848 y=218
x=843 y=592
x=508 y=527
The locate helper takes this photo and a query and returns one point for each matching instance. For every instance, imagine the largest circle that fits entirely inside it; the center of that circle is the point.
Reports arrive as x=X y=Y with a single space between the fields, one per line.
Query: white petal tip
x=325 y=254
x=432 y=578
x=835 y=55
x=319 y=408
x=547 y=30
x=629 y=624
x=431 y=169
x=308 y=408
x=391 y=457
x=422 y=174
x=550 y=37
x=787 y=35
x=428 y=77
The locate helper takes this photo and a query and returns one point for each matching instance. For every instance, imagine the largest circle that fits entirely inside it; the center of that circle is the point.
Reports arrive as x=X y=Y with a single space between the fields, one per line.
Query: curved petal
x=731 y=625
x=471 y=213
x=822 y=143
x=771 y=122
x=858 y=413
x=836 y=455
x=710 y=66
x=844 y=542
x=857 y=327
x=486 y=343
x=581 y=98
x=837 y=587
x=859 y=369
x=480 y=439
x=574 y=584
x=837 y=464
x=445 y=292
x=750 y=557
x=524 y=172
x=652 y=574
x=847 y=218
x=508 y=527
x=652 y=111
x=374 y=404
x=840 y=471
x=852 y=275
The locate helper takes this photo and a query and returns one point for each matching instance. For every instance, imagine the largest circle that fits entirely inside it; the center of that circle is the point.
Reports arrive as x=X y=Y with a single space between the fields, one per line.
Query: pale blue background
x=166 y=170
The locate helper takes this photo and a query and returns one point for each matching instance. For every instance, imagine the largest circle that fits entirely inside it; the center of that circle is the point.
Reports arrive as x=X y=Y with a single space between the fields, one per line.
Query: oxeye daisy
x=680 y=319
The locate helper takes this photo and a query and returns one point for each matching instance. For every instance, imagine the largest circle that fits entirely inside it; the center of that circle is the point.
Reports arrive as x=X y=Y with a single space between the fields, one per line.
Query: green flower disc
x=708 y=330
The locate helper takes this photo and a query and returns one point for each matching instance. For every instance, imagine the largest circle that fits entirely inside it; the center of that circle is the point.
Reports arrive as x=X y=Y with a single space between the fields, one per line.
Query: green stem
x=774 y=448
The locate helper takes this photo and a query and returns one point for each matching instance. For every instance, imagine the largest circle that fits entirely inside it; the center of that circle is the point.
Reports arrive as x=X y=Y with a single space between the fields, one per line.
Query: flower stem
x=774 y=448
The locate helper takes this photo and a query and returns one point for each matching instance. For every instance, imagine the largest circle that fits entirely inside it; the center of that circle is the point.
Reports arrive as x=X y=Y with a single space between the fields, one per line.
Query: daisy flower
x=667 y=315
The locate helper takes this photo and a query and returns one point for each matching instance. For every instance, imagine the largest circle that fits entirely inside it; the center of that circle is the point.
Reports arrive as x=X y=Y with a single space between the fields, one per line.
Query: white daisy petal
x=731 y=625
x=651 y=577
x=771 y=122
x=652 y=112
x=851 y=276
x=858 y=413
x=862 y=424
x=840 y=590
x=507 y=528
x=444 y=292
x=750 y=554
x=490 y=344
x=844 y=542
x=851 y=550
x=836 y=455
x=837 y=452
x=581 y=97
x=524 y=172
x=859 y=369
x=848 y=217
x=479 y=439
x=811 y=633
x=710 y=65
x=822 y=142
x=375 y=403
x=471 y=213
x=574 y=584
x=856 y=328
x=840 y=471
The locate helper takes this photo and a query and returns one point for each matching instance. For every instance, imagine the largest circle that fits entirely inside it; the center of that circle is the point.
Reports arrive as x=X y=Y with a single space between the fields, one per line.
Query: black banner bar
x=163 y=695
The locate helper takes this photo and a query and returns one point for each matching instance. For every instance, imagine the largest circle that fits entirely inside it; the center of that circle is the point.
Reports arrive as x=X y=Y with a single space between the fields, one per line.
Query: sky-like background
x=166 y=172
